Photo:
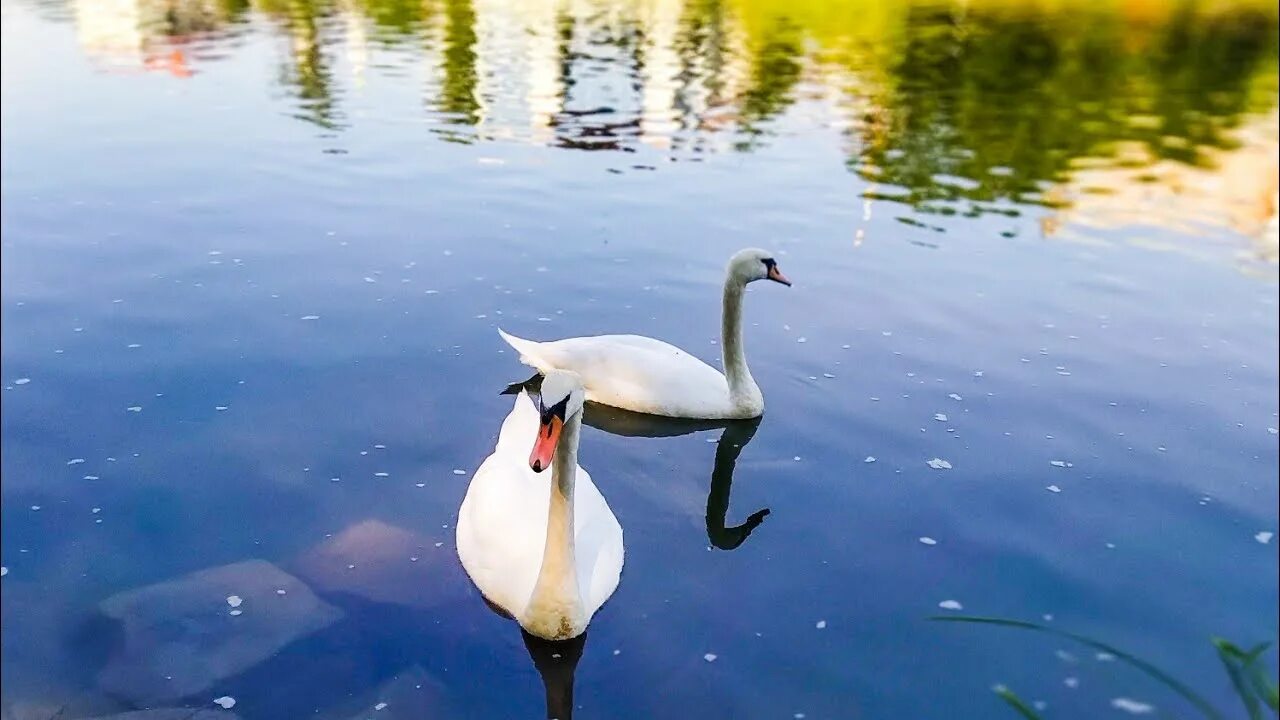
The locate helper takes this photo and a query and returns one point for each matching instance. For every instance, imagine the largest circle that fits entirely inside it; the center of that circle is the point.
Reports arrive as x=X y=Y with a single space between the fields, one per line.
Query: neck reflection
x=556 y=661
x=734 y=437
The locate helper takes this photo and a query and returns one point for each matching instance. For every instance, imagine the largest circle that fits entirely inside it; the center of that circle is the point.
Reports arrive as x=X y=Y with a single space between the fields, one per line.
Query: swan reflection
x=556 y=661
x=734 y=437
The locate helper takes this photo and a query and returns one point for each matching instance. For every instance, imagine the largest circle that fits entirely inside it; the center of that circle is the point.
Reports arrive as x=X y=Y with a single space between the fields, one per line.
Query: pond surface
x=255 y=256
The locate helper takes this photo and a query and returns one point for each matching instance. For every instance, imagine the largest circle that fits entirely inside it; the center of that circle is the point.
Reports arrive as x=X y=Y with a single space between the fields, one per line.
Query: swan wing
x=597 y=544
x=634 y=372
x=501 y=530
x=502 y=524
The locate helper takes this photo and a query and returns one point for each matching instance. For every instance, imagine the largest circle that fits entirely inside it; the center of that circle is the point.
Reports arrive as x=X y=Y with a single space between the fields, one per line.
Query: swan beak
x=545 y=446
x=776 y=275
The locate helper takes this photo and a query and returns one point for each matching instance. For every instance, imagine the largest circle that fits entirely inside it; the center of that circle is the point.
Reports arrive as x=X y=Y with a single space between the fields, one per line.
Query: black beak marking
x=557 y=410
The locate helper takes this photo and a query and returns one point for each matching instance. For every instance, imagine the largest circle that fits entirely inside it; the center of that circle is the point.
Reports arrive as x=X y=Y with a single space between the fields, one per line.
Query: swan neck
x=555 y=608
x=742 y=387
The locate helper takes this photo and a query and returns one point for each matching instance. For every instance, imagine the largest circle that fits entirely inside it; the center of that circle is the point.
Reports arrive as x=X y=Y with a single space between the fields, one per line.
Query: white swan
x=650 y=376
x=543 y=547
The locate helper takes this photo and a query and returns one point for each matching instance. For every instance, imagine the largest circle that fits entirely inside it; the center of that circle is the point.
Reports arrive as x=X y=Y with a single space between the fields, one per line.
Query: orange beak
x=545 y=446
x=776 y=275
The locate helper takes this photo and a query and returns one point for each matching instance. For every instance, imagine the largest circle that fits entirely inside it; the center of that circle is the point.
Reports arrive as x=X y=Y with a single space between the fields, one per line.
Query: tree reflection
x=307 y=69
x=951 y=106
x=458 y=99
x=1009 y=98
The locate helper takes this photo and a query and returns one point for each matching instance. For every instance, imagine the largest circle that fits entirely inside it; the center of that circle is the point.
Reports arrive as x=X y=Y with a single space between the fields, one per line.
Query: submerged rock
x=178 y=637
x=385 y=564
x=31 y=711
x=171 y=714
x=413 y=694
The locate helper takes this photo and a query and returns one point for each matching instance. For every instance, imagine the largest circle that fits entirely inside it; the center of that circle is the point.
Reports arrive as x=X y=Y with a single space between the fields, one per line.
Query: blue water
x=231 y=279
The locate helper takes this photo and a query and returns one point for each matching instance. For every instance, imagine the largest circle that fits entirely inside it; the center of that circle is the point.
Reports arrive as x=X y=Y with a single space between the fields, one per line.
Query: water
x=254 y=257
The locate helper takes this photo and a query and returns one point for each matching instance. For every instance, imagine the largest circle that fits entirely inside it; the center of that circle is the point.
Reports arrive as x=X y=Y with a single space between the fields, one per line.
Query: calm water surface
x=255 y=253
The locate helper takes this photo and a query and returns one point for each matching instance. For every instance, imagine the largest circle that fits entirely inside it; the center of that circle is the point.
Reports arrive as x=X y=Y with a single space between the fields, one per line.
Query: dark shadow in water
x=556 y=661
x=736 y=435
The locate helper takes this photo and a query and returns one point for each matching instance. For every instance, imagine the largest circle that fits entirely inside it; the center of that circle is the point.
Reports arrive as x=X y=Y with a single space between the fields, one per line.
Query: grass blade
x=1151 y=670
x=1231 y=657
x=1015 y=702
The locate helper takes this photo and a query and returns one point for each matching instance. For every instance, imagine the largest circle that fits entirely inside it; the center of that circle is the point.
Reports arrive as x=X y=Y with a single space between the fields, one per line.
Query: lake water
x=255 y=255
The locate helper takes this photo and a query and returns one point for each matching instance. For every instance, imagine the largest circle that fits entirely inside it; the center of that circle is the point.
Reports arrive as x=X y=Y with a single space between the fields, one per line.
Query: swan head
x=755 y=264
x=561 y=399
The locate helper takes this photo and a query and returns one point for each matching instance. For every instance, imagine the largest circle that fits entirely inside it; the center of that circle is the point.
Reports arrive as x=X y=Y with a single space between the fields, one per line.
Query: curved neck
x=742 y=387
x=555 y=608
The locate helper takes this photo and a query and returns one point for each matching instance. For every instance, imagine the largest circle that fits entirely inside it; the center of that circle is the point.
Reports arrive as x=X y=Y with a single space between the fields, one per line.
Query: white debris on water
x=928 y=541
x=954 y=396
x=380 y=706
x=821 y=624
x=75 y=461
x=226 y=702
x=1264 y=537
x=1133 y=707
x=940 y=417
x=381 y=474
x=1053 y=489
x=134 y=409
x=309 y=317
x=3 y=571
x=709 y=657
x=235 y=613
x=939 y=464
x=459 y=471
x=870 y=459
x=1060 y=463
x=1071 y=682
x=950 y=605
x=234 y=600
x=22 y=381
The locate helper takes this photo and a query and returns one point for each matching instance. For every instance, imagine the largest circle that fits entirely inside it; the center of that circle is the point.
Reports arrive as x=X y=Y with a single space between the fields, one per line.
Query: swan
x=650 y=376
x=549 y=569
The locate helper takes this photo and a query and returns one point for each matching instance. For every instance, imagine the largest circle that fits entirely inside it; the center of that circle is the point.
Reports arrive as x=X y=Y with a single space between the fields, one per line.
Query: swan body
x=638 y=373
x=543 y=546
x=645 y=375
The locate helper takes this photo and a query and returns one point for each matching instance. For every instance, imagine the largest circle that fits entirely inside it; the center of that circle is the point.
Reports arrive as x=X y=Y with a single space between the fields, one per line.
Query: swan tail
x=528 y=350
